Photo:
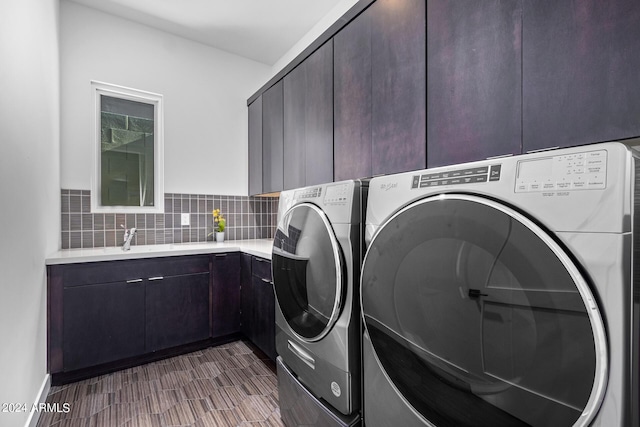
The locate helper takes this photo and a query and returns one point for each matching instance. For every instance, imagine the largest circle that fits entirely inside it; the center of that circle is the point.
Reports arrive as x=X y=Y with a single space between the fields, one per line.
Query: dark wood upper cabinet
x=272 y=138
x=255 y=147
x=426 y=83
x=398 y=98
x=380 y=91
x=308 y=120
x=352 y=99
x=580 y=72
x=474 y=79
x=295 y=101
x=319 y=116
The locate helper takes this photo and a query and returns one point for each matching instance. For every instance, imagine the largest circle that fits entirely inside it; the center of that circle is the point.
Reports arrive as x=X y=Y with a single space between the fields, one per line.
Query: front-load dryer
x=504 y=292
x=317 y=255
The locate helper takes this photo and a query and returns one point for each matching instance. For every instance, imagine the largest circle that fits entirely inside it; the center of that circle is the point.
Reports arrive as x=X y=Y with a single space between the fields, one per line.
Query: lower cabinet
x=264 y=316
x=102 y=323
x=226 y=294
x=246 y=297
x=102 y=312
x=176 y=311
x=107 y=315
x=258 y=304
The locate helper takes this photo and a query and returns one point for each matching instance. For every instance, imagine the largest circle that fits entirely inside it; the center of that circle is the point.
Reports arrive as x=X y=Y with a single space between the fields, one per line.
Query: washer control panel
x=457 y=176
x=336 y=194
x=579 y=171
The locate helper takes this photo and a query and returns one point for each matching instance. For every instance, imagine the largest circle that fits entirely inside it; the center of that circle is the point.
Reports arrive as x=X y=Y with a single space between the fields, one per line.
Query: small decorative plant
x=219 y=222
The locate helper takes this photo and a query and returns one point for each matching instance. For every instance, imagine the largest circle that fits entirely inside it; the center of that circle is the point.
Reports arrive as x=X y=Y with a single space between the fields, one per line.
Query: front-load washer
x=317 y=255
x=504 y=292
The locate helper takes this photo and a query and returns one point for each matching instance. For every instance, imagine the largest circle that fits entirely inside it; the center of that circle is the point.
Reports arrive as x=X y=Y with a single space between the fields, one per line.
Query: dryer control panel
x=580 y=171
x=333 y=194
x=308 y=193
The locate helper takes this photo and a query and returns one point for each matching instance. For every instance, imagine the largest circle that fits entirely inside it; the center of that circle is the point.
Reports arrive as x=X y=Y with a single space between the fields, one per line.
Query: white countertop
x=258 y=247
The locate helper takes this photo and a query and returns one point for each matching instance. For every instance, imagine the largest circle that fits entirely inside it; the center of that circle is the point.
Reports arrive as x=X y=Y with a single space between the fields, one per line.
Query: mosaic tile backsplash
x=247 y=218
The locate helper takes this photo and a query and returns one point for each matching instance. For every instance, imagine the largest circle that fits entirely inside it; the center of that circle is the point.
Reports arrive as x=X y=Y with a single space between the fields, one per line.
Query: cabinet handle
x=266 y=280
x=155 y=278
x=221 y=255
x=134 y=280
x=260 y=259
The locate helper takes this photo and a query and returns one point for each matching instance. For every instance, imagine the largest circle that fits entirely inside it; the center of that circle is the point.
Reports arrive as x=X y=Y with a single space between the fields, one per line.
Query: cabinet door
x=295 y=102
x=398 y=70
x=263 y=322
x=272 y=138
x=352 y=99
x=177 y=310
x=264 y=316
x=226 y=294
x=255 y=147
x=246 y=297
x=102 y=323
x=580 y=72
x=319 y=116
x=474 y=80
x=308 y=120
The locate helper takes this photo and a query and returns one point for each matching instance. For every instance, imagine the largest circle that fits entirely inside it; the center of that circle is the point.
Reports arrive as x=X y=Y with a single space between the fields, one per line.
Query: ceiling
x=262 y=30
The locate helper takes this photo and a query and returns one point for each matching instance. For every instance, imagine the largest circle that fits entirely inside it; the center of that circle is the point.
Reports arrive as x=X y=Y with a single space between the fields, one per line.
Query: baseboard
x=34 y=416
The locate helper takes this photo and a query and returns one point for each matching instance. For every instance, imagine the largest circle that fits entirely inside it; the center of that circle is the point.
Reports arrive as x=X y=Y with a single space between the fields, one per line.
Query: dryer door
x=478 y=317
x=307 y=272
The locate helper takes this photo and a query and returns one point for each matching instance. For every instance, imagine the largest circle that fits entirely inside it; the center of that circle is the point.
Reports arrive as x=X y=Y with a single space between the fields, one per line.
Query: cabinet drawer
x=117 y=271
x=261 y=268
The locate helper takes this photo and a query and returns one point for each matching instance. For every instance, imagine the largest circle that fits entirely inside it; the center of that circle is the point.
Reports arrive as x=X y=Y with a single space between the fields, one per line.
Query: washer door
x=307 y=272
x=478 y=318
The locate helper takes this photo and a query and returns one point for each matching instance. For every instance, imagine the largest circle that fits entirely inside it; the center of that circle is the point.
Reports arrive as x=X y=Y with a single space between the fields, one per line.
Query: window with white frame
x=128 y=164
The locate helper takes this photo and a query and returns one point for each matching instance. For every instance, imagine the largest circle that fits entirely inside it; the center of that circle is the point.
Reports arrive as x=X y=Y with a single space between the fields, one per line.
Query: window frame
x=98 y=89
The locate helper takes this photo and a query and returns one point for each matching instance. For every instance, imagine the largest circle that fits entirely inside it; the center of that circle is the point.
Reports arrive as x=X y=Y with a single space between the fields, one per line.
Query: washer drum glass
x=477 y=317
x=307 y=273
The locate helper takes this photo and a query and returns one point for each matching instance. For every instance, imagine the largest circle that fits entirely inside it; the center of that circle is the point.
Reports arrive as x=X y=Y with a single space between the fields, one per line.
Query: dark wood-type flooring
x=227 y=385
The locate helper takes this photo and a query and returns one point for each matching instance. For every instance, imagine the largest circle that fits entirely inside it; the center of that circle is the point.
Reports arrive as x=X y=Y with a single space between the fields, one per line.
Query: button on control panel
x=579 y=171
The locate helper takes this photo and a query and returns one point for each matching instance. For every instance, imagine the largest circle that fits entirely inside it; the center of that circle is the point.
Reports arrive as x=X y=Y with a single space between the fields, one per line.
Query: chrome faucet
x=128 y=236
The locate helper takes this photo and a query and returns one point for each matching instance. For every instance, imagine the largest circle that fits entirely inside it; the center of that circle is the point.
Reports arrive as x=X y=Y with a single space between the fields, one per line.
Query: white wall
x=329 y=19
x=205 y=93
x=30 y=193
